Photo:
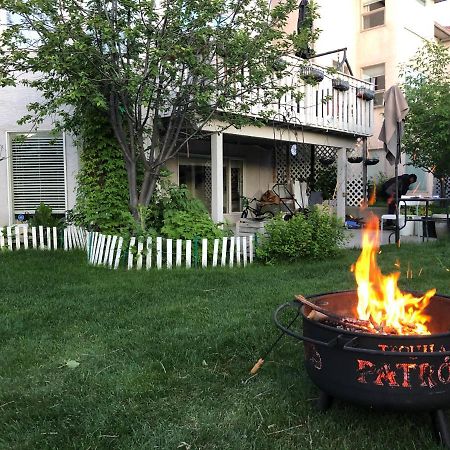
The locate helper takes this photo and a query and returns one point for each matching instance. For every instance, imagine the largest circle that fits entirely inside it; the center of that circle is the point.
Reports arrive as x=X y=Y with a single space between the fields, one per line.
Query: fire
x=380 y=301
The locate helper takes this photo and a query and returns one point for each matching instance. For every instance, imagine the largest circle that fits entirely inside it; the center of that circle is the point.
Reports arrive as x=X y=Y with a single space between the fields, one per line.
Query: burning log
x=320 y=314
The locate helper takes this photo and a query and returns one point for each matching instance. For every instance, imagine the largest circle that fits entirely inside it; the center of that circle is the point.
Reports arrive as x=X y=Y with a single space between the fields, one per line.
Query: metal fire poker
x=362 y=325
x=261 y=360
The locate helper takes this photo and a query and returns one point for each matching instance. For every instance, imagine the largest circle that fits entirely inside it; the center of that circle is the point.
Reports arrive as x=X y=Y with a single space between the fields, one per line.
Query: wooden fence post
x=215 y=252
x=188 y=253
x=148 y=258
x=130 y=253
x=224 y=251
x=159 y=252
x=17 y=232
x=118 y=253
x=179 y=252
x=204 y=253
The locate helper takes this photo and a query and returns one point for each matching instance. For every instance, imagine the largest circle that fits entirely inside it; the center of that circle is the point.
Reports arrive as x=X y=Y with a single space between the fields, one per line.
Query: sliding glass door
x=195 y=173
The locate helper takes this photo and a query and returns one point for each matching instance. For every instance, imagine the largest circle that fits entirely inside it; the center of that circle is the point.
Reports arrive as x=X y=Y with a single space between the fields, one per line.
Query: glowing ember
x=380 y=301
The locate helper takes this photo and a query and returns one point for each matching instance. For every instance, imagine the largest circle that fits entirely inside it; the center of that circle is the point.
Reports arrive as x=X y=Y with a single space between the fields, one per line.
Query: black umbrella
x=395 y=110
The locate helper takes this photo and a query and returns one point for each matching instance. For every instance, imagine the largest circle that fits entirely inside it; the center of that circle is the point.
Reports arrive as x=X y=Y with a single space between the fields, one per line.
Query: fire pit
x=378 y=346
x=399 y=372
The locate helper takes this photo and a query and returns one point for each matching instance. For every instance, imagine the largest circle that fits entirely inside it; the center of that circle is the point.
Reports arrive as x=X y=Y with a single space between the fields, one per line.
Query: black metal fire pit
x=398 y=372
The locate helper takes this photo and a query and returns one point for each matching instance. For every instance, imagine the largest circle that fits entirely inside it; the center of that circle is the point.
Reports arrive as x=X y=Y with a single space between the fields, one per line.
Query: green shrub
x=168 y=200
x=316 y=235
x=188 y=225
x=43 y=217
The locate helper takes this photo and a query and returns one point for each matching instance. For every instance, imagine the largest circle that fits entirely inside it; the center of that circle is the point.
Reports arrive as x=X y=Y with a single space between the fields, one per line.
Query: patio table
x=415 y=201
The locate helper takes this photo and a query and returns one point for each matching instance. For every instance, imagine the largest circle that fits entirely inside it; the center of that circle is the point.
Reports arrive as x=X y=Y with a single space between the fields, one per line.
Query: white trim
x=9 y=178
x=217 y=181
x=66 y=189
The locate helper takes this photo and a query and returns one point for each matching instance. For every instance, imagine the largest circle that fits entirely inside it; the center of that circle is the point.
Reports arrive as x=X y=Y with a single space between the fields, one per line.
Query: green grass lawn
x=164 y=357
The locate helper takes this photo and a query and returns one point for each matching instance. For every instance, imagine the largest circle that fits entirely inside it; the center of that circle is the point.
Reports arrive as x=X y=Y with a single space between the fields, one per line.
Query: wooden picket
x=148 y=258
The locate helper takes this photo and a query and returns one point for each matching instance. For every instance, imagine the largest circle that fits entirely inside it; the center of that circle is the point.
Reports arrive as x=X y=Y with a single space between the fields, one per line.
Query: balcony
x=321 y=106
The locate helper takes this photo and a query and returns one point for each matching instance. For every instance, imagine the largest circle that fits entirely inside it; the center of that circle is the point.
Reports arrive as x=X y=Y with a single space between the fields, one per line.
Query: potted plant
x=326 y=161
x=365 y=93
x=354 y=159
x=371 y=161
x=312 y=74
x=340 y=85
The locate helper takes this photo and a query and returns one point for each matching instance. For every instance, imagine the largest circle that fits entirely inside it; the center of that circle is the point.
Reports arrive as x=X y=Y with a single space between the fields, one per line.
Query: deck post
x=217 y=177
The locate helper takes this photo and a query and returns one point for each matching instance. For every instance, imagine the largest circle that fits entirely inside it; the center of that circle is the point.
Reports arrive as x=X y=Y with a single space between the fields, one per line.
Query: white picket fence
x=41 y=238
x=107 y=250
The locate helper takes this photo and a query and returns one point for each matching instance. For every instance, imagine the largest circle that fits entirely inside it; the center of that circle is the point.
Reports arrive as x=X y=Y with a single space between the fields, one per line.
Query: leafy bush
x=316 y=235
x=44 y=217
x=168 y=200
x=188 y=225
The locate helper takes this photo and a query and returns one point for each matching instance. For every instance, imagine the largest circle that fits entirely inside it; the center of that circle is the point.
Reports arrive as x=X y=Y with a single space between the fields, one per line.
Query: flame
x=380 y=301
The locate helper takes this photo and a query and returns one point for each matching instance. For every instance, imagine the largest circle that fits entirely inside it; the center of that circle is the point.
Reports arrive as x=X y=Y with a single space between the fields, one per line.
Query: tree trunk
x=132 y=189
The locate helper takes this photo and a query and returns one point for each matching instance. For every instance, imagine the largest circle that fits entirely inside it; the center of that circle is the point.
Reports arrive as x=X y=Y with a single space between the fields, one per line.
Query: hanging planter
x=371 y=161
x=311 y=74
x=326 y=161
x=354 y=159
x=340 y=85
x=279 y=66
x=365 y=94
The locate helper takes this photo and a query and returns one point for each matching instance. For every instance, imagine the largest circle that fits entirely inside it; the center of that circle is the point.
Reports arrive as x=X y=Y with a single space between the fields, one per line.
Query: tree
x=158 y=72
x=427 y=131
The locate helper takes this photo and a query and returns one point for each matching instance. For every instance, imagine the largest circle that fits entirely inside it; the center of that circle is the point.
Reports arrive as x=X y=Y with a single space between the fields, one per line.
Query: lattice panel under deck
x=437 y=188
x=354 y=191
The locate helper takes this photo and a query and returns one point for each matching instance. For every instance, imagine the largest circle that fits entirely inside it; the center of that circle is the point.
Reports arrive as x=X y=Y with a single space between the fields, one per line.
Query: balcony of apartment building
x=319 y=99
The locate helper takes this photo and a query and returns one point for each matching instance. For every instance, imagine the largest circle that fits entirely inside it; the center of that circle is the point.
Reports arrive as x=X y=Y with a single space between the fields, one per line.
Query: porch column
x=217 y=177
x=341 y=182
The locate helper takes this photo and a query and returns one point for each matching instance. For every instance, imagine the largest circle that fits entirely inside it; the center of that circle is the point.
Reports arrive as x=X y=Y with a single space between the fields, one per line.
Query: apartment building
x=380 y=36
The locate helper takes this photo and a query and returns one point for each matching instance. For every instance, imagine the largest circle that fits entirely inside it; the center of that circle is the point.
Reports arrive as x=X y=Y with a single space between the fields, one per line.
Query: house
x=298 y=143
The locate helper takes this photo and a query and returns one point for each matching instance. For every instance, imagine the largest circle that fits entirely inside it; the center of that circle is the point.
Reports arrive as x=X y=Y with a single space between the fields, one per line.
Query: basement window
x=38 y=172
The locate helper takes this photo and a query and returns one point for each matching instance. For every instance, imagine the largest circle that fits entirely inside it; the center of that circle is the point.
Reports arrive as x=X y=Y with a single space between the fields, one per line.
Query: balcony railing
x=321 y=105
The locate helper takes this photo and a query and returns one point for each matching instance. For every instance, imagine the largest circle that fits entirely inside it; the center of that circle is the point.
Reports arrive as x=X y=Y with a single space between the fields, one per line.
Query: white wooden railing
x=321 y=106
x=318 y=106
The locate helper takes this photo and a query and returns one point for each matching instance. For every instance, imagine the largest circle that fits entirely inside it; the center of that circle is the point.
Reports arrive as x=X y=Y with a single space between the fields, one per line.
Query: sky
x=442 y=13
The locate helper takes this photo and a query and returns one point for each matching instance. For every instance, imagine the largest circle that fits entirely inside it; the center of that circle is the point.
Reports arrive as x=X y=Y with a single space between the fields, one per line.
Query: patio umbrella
x=395 y=110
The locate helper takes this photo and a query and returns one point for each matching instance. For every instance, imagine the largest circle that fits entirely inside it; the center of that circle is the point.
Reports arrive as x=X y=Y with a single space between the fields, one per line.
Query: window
x=38 y=172
x=375 y=75
x=195 y=173
x=373 y=14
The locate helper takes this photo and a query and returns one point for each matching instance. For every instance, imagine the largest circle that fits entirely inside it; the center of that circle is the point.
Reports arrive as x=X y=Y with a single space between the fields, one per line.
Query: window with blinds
x=38 y=172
